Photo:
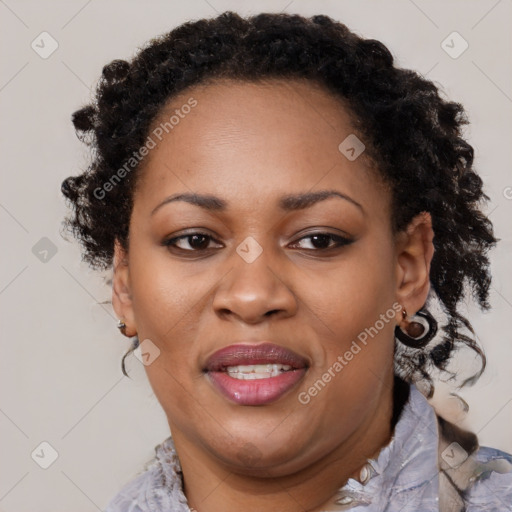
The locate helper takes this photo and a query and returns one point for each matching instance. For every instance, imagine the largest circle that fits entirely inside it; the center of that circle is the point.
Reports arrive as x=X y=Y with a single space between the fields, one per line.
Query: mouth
x=255 y=374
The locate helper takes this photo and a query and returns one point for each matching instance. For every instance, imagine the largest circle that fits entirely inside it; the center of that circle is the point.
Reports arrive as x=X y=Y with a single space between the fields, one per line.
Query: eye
x=324 y=241
x=196 y=242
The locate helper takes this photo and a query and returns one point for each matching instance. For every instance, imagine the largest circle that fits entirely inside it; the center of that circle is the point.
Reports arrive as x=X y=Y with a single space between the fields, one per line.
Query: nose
x=252 y=292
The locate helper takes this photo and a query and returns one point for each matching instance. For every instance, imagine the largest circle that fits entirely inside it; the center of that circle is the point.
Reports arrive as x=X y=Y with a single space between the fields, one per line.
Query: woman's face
x=273 y=320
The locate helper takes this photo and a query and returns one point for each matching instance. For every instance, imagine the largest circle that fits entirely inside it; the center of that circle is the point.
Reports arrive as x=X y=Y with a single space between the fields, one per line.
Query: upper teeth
x=256 y=371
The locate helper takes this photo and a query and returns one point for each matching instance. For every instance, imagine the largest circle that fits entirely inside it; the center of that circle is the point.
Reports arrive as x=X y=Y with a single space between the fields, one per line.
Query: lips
x=255 y=374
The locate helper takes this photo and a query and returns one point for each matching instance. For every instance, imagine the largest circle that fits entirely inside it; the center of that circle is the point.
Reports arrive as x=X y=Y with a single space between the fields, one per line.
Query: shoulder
x=132 y=496
x=158 y=487
x=472 y=477
x=492 y=481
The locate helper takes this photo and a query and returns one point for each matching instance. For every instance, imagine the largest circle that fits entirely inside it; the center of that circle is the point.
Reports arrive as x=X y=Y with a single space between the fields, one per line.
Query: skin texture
x=250 y=144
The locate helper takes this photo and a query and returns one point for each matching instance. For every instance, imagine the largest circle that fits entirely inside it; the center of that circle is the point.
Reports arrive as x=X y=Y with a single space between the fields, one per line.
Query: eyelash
x=340 y=240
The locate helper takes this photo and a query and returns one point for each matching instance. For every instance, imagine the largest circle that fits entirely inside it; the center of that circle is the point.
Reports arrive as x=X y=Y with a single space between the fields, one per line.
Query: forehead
x=290 y=108
x=249 y=139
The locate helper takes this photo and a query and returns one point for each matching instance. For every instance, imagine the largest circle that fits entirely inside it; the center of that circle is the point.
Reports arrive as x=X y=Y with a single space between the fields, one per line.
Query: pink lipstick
x=250 y=374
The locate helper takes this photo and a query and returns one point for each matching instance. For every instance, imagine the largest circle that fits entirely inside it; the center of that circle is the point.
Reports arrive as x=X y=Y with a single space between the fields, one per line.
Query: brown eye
x=324 y=241
x=196 y=242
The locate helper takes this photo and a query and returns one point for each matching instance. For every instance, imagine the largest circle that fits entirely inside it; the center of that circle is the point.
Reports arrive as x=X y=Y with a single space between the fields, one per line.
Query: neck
x=211 y=486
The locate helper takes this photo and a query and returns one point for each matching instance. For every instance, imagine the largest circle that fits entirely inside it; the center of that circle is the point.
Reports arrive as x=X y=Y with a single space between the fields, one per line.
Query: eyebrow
x=291 y=202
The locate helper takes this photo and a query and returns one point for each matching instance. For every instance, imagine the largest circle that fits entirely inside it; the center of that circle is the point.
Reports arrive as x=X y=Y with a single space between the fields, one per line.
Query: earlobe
x=415 y=250
x=121 y=291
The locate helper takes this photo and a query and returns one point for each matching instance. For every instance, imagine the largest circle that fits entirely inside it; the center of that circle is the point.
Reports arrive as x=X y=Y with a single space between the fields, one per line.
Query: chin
x=260 y=454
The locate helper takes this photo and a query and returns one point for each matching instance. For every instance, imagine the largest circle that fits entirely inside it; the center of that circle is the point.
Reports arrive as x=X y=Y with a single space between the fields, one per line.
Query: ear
x=415 y=250
x=121 y=292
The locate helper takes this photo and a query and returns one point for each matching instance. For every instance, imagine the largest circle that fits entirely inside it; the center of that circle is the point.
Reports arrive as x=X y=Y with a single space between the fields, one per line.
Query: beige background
x=60 y=367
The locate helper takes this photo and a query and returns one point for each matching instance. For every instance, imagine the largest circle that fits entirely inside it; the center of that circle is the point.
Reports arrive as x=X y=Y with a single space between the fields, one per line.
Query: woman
x=282 y=207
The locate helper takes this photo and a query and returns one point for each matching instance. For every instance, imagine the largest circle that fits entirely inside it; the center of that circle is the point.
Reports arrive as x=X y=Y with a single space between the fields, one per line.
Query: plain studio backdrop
x=61 y=382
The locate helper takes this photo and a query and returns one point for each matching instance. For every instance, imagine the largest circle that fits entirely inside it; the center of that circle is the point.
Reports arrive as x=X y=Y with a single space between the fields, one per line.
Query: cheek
x=355 y=305
x=353 y=294
x=167 y=305
x=166 y=313
x=164 y=301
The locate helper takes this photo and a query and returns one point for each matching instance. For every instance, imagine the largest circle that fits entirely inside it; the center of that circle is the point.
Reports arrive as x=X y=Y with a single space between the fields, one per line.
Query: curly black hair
x=413 y=136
